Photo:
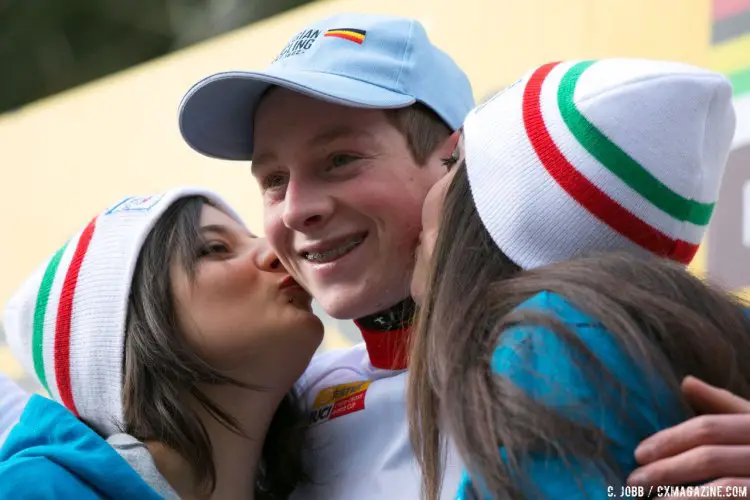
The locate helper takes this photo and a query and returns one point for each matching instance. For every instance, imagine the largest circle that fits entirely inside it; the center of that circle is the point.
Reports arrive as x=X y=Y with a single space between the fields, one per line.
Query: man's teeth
x=334 y=252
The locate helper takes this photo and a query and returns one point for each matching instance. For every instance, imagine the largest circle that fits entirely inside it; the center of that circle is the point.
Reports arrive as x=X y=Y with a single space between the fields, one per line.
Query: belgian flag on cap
x=351 y=34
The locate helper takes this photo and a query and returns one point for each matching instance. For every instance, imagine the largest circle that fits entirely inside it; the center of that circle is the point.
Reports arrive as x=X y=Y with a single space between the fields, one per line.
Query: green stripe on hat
x=582 y=189
x=619 y=162
x=40 y=312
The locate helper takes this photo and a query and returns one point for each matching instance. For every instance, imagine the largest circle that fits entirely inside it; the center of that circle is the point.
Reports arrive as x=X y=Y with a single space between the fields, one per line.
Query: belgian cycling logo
x=299 y=44
x=338 y=400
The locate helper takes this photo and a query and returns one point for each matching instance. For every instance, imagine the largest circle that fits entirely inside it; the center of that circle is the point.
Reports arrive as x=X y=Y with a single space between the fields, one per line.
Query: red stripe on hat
x=64 y=313
x=582 y=190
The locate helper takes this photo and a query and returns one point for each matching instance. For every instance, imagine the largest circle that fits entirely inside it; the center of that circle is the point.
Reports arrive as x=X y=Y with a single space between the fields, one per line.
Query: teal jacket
x=50 y=454
x=536 y=361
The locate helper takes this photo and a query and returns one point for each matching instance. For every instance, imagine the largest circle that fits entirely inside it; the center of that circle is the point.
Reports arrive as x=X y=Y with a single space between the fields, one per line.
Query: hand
x=713 y=445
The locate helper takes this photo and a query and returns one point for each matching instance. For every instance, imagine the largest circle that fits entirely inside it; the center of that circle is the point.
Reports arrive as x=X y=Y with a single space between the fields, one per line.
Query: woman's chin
x=299 y=299
x=305 y=321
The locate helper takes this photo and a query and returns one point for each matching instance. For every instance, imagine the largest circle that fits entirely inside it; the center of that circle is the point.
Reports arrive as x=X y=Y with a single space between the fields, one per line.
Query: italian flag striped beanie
x=66 y=323
x=585 y=156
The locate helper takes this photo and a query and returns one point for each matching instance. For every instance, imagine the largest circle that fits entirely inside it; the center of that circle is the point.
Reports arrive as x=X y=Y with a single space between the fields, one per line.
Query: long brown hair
x=668 y=320
x=162 y=372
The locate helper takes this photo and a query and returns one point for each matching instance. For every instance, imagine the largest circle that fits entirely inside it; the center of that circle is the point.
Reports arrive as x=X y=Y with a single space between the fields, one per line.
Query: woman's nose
x=268 y=260
x=270 y=263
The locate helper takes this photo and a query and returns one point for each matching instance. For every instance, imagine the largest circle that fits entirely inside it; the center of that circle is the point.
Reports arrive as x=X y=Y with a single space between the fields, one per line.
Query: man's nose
x=306 y=206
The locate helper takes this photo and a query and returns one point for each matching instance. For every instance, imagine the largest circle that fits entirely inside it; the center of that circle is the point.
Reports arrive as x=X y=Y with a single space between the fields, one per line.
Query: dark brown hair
x=659 y=314
x=423 y=129
x=162 y=372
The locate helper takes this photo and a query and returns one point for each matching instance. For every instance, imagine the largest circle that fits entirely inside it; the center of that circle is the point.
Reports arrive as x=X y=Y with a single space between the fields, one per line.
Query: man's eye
x=341 y=160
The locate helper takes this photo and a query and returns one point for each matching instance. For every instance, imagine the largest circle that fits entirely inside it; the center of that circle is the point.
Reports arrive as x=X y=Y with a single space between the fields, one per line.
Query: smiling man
x=347 y=130
x=352 y=123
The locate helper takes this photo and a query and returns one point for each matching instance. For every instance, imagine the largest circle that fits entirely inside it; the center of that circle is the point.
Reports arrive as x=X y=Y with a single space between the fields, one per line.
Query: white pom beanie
x=66 y=323
x=616 y=154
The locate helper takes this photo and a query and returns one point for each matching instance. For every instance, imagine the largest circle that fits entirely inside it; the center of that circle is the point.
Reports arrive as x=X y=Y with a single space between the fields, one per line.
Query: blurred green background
x=47 y=46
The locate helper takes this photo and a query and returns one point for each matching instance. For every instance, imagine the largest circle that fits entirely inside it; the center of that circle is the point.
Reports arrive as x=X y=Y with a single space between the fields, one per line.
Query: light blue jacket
x=50 y=454
x=549 y=371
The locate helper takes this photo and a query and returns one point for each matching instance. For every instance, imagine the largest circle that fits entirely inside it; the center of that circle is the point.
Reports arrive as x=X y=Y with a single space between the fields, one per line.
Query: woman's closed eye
x=213 y=249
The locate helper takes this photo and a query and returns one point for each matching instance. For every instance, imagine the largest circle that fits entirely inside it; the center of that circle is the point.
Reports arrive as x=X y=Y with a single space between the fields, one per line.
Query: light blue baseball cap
x=357 y=60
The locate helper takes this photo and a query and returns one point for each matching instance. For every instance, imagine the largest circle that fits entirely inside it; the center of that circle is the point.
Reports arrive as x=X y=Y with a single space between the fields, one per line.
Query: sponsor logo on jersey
x=338 y=400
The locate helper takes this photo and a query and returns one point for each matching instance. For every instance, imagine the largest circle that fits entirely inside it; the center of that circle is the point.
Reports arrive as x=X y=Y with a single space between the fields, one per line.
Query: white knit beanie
x=616 y=154
x=66 y=323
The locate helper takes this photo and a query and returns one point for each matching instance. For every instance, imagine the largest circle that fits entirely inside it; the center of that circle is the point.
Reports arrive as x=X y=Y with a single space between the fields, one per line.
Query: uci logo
x=320 y=415
x=338 y=400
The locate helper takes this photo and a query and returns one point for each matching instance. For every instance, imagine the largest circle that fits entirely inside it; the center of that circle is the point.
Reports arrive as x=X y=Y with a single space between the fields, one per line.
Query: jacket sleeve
x=550 y=372
x=52 y=454
x=38 y=478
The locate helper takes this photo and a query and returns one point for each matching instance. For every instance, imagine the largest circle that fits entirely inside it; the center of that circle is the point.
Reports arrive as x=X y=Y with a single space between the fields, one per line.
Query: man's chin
x=344 y=303
x=346 y=308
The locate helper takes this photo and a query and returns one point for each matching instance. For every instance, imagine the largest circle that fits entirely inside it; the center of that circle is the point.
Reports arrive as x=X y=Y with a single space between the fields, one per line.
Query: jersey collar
x=386 y=335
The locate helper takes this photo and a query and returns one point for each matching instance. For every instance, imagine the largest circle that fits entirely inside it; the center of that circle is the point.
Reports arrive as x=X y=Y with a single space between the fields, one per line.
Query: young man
x=347 y=130
x=351 y=122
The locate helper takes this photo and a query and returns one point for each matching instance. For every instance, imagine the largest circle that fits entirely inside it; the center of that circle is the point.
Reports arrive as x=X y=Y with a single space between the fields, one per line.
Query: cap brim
x=216 y=115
